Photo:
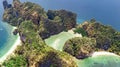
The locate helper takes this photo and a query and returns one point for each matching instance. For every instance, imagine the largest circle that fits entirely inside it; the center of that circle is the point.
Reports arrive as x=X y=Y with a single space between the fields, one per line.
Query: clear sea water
x=105 y=11
x=58 y=41
x=7 y=39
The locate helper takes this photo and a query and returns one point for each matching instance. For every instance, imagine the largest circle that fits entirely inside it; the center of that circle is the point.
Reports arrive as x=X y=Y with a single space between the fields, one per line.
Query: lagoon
x=98 y=59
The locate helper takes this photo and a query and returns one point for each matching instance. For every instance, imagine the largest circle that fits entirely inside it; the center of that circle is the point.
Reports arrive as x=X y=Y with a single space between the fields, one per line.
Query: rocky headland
x=47 y=22
x=96 y=37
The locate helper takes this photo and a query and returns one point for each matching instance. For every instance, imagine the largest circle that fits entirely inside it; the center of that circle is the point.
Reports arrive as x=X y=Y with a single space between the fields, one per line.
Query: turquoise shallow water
x=100 y=61
x=3 y=34
x=7 y=39
x=57 y=42
x=105 y=11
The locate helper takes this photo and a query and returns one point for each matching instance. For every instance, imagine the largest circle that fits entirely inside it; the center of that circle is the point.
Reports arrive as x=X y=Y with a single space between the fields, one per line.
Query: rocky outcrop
x=35 y=53
x=80 y=47
x=66 y=18
x=6 y=5
x=47 y=25
x=53 y=59
x=103 y=34
x=107 y=38
x=15 y=32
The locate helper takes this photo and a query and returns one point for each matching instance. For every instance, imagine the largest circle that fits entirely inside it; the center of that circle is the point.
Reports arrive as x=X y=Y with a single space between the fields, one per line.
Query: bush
x=17 y=61
x=81 y=31
x=80 y=47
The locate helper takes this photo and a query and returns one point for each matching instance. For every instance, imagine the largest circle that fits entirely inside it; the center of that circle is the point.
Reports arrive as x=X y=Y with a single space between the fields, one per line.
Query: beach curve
x=102 y=53
x=12 y=49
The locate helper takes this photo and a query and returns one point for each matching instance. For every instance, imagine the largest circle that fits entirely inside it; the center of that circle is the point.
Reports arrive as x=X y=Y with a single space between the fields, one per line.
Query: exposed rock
x=106 y=37
x=62 y=19
x=17 y=4
x=6 y=5
x=15 y=32
x=22 y=37
x=102 y=33
x=80 y=47
x=68 y=19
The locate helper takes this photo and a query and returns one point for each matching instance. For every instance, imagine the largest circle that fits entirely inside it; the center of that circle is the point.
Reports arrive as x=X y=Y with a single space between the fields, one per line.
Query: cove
x=58 y=41
x=106 y=60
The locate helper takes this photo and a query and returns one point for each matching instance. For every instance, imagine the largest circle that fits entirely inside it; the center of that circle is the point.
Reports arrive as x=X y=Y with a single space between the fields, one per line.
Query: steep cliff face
x=23 y=11
x=6 y=5
x=102 y=33
x=47 y=25
x=66 y=18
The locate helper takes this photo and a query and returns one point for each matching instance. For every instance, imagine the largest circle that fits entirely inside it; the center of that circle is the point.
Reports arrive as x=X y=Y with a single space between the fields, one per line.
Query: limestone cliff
x=97 y=37
x=48 y=23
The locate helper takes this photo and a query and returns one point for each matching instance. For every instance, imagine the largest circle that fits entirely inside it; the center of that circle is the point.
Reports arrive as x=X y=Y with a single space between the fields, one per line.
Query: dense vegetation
x=34 y=24
x=115 y=46
x=81 y=31
x=17 y=61
x=106 y=38
x=80 y=47
x=35 y=53
x=50 y=22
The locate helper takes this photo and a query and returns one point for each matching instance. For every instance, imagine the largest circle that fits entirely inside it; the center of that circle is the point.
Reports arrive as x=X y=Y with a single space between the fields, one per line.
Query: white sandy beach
x=12 y=49
x=76 y=34
x=57 y=41
x=101 y=53
x=10 y=52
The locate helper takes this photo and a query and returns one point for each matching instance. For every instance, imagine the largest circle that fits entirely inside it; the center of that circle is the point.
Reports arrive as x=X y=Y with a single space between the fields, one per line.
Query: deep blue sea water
x=104 y=11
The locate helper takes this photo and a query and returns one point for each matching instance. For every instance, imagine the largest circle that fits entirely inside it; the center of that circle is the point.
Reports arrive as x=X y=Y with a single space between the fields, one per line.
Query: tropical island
x=35 y=26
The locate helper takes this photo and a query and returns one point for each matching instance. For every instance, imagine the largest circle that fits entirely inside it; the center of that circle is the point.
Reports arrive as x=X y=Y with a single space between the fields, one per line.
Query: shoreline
x=72 y=32
x=103 y=53
x=12 y=49
x=57 y=41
